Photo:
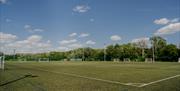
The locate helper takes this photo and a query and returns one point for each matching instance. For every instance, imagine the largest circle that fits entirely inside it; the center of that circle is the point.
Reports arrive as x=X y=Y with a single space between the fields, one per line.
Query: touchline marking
x=159 y=80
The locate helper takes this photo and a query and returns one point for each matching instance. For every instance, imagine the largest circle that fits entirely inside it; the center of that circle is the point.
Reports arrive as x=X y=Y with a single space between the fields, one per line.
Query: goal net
x=126 y=60
x=179 y=60
x=2 y=62
x=148 y=60
x=43 y=60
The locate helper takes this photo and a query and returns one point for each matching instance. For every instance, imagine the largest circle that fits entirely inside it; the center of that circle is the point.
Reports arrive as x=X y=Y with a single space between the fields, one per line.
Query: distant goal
x=178 y=60
x=126 y=60
x=2 y=62
x=150 y=60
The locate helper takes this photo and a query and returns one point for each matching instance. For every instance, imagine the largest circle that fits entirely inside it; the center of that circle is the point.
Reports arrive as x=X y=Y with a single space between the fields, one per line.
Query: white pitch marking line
x=91 y=78
x=159 y=80
x=109 y=81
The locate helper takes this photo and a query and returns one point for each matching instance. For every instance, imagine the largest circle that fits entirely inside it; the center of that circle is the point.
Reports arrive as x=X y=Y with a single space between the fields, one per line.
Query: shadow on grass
x=15 y=80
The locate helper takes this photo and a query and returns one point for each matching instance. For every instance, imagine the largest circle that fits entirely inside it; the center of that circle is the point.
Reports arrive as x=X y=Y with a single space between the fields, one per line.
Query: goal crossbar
x=148 y=60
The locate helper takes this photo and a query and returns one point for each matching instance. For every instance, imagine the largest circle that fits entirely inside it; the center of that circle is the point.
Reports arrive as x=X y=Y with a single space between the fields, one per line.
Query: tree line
x=160 y=50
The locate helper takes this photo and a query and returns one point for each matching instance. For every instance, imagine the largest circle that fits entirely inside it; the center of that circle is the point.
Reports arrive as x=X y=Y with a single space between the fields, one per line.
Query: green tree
x=157 y=43
x=168 y=53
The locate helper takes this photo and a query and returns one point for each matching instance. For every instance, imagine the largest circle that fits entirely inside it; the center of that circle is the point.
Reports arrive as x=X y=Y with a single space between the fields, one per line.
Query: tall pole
x=74 y=55
x=153 y=49
x=3 y=61
x=179 y=47
x=104 y=52
x=48 y=55
x=83 y=55
x=14 y=53
x=179 y=40
x=153 y=52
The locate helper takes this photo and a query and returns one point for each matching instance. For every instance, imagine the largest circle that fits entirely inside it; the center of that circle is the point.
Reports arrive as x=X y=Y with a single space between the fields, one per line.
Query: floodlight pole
x=104 y=52
x=48 y=54
x=3 y=62
x=179 y=40
x=74 y=54
x=83 y=55
x=153 y=52
x=153 y=49
x=14 y=53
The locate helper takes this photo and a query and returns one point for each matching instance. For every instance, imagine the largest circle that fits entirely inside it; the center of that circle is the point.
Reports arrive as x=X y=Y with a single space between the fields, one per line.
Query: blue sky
x=51 y=22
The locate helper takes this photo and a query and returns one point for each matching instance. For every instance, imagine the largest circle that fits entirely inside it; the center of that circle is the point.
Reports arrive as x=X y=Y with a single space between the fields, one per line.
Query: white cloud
x=43 y=45
x=21 y=43
x=162 y=21
x=30 y=29
x=4 y=37
x=27 y=26
x=175 y=20
x=142 y=42
x=73 y=34
x=48 y=41
x=8 y=20
x=91 y=20
x=3 y=1
x=75 y=45
x=115 y=38
x=69 y=47
x=38 y=30
x=83 y=35
x=61 y=48
x=63 y=42
x=168 y=29
x=34 y=38
x=33 y=44
x=81 y=8
x=90 y=42
x=146 y=39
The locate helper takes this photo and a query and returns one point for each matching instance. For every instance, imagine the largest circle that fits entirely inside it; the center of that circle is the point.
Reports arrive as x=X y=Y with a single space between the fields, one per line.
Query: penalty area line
x=157 y=81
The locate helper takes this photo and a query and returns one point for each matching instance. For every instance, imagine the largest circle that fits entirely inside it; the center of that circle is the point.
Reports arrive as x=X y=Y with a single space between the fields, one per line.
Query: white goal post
x=115 y=60
x=2 y=62
x=126 y=60
x=148 y=60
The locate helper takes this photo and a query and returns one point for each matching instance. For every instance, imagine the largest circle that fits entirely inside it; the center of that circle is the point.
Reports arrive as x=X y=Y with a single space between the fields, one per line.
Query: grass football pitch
x=90 y=76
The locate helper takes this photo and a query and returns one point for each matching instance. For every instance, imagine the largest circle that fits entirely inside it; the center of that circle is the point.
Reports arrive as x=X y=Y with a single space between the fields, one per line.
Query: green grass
x=82 y=76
